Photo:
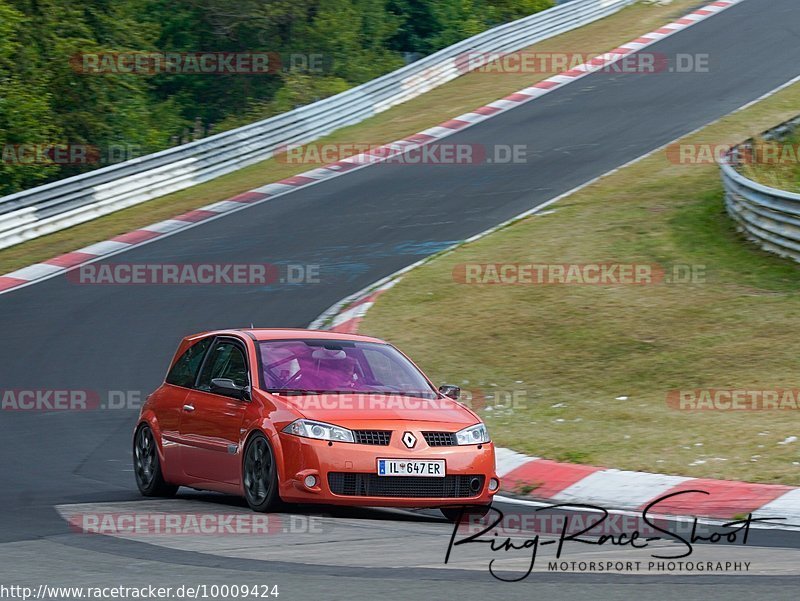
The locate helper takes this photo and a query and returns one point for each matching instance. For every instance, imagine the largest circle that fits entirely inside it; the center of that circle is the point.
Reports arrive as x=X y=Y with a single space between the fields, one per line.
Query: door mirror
x=450 y=391
x=228 y=387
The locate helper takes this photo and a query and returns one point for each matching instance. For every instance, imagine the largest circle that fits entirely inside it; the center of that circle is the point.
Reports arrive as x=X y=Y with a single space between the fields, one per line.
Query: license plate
x=430 y=468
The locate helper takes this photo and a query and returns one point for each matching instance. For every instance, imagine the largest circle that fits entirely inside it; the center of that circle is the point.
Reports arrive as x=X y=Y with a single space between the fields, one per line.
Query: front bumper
x=346 y=473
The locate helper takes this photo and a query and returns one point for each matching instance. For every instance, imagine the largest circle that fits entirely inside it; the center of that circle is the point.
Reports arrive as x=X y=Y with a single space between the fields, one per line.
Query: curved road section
x=117 y=340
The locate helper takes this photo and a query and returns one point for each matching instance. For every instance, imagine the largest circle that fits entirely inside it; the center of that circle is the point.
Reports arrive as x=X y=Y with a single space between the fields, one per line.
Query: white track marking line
x=506 y=460
x=623 y=489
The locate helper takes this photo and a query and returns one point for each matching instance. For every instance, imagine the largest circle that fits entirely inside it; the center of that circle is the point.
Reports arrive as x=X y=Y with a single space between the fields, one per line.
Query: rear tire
x=454 y=513
x=260 y=475
x=147 y=467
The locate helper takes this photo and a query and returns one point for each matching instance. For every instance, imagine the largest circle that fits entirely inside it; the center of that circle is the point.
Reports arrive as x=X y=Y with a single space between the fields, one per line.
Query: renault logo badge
x=409 y=440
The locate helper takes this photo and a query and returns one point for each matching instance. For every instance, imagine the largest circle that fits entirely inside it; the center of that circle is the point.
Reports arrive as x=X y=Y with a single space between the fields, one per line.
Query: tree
x=319 y=47
x=25 y=116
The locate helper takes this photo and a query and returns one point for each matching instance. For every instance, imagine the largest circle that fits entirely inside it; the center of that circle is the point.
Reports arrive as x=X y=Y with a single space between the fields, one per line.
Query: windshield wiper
x=291 y=391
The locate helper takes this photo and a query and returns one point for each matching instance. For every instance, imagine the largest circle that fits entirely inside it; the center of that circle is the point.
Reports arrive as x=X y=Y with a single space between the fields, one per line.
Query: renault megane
x=311 y=417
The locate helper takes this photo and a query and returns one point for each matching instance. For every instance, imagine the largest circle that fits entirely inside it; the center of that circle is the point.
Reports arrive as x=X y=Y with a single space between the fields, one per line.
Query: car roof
x=292 y=333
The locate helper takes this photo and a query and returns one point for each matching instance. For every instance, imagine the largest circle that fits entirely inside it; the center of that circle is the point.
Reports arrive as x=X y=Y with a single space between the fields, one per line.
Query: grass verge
x=591 y=366
x=459 y=96
x=781 y=168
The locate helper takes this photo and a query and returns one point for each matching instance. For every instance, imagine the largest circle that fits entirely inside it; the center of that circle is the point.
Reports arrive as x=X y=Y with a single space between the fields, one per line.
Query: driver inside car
x=334 y=369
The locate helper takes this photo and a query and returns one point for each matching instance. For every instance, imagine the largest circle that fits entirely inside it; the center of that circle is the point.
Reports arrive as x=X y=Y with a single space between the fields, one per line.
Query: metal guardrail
x=768 y=216
x=65 y=203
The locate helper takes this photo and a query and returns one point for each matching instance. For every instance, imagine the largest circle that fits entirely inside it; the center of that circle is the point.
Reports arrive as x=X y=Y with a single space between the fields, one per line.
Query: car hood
x=346 y=408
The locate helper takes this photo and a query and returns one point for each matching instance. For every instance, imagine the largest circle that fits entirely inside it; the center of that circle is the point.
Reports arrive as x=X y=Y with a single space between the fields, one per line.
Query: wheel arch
x=274 y=443
x=148 y=418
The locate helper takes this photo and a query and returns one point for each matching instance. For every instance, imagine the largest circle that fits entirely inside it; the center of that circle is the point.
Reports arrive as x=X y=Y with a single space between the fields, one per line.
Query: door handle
x=188 y=408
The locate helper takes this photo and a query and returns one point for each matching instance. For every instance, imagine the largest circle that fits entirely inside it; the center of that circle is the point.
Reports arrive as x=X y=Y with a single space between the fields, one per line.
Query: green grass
x=526 y=489
x=784 y=173
x=456 y=97
x=592 y=365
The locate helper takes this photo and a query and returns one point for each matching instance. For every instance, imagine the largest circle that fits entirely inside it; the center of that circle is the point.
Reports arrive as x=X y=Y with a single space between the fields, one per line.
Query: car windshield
x=339 y=366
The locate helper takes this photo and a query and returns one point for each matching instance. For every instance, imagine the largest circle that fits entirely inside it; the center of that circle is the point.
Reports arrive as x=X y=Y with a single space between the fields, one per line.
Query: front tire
x=147 y=466
x=260 y=475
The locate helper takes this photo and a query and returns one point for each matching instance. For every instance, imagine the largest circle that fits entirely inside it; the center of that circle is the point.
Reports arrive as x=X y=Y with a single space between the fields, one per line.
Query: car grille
x=377 y=437
x=440 y=439
x=372 y=485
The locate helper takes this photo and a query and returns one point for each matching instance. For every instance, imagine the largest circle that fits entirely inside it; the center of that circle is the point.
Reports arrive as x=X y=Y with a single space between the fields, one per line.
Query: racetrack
x=358 y=227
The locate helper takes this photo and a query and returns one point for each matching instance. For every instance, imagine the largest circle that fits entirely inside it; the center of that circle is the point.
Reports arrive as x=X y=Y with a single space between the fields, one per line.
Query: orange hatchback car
x=308 y=416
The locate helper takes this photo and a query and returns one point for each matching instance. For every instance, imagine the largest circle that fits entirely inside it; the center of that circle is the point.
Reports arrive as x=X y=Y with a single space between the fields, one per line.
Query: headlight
x=319 y=430
x=473 y=435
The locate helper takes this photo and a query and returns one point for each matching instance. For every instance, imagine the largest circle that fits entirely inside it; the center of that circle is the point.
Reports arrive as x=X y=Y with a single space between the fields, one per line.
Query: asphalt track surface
x=358 y=227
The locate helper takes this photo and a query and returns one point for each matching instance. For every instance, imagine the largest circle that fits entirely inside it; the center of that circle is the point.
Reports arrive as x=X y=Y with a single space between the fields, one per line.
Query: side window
x=280 y=365
x=226 y=360
x=184 y=372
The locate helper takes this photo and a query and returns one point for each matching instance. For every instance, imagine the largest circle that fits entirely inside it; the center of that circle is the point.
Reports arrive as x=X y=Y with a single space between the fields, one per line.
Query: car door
x=169 y=399
x=211 y=422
